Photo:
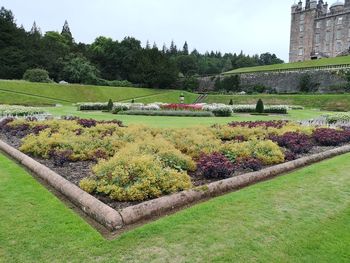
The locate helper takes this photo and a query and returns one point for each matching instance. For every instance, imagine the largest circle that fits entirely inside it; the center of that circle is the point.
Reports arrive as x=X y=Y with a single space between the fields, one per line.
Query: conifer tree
x=66 y=32
x=185 y=49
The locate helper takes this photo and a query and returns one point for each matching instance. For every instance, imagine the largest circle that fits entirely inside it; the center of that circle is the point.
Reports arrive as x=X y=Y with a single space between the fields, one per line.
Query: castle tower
x=347 y=4
x=302 y=31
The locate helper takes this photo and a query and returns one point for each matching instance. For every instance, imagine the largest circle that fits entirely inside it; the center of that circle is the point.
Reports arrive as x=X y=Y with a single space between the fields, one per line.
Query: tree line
x=108 y=60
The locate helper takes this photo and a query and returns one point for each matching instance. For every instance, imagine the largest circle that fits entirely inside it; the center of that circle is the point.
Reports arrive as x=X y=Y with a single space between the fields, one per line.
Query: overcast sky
x=225 y=25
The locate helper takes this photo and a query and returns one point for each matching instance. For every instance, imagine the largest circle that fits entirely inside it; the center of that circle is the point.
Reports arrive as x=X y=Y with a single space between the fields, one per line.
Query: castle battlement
x=318 y=30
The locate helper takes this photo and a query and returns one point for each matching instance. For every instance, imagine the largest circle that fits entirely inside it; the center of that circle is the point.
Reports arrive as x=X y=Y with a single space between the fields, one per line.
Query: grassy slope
x=180 y=121
x=19 y=91
x=305 y=64
x=325 y=101
x=302 y=217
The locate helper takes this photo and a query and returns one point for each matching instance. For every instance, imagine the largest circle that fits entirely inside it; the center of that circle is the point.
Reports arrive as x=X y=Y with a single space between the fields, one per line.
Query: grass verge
x=301 y=217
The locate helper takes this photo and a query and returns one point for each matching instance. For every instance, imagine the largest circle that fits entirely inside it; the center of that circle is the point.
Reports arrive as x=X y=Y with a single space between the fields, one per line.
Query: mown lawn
x=21 y=92
x=296 y=65
x=178 y=122
x=301 y=217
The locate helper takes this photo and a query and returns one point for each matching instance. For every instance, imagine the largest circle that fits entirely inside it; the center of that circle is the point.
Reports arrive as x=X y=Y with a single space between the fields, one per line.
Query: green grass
x=319 y=101
x=301 y=217
x=178 y=122
x=21 y=92
x=296 y=65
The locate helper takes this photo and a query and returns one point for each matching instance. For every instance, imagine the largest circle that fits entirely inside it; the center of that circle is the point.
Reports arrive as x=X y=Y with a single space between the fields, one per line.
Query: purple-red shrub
x=331 y=137
x=5 y=122
x=289 y=156
x=87 y=123
x=297 y=143
x=60 y=157
x=249 y=164
x=253 y=124
x=215 y=165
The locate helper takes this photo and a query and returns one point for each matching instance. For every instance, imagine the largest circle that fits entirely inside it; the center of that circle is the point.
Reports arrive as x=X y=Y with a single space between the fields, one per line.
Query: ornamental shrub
x=88 y=185
x=222 y=112
x=215 y=166
x=37 y=75
x=331 y=137
x=259 y=106
x=297 y=143
x=110 y=105
x=266 y=151
x=130 y=177
x=252 y=164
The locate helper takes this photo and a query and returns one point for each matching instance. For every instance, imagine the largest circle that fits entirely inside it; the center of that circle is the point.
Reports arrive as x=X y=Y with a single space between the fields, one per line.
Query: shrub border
x=116 y=220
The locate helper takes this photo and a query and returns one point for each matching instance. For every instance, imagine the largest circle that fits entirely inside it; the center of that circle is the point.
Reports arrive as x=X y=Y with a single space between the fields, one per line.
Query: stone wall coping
x=115 y=220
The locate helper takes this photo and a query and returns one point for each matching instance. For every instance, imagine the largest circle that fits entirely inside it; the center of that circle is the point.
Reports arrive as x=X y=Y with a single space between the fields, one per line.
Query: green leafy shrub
x=222 y=112
x=37 y=75
x=88 y=185
x=110 y=105
x=259 y=106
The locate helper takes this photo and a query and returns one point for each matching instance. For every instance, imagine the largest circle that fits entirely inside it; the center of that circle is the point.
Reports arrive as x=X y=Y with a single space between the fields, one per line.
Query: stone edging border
x=115 y=220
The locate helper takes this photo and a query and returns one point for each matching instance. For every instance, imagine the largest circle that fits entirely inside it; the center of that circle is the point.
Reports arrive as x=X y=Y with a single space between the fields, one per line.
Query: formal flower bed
x=20 y=111
x=120 y=164
x=219 y=110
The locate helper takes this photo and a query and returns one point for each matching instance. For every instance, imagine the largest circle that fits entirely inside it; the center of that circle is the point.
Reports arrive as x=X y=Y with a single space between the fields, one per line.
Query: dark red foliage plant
x=297 y=143
x=251 y=164
x=215 y=166
x=253 y=124
x=331 y=137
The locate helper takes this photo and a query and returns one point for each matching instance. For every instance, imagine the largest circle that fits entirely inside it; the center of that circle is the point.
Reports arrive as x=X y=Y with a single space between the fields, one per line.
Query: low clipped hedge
x=168 y=113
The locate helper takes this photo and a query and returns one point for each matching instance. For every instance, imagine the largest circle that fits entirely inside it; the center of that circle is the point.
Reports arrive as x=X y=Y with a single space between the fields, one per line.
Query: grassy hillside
x=324 y=101
x=20 y=92
x=301 y=217
x=305 y=64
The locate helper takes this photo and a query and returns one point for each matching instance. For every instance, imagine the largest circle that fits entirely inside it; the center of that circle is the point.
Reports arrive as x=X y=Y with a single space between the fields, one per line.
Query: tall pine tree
x=66 y=33
x=185 y=49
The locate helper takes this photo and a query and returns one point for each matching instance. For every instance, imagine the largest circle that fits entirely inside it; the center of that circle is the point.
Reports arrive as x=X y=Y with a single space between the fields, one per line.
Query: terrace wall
x=284 y=81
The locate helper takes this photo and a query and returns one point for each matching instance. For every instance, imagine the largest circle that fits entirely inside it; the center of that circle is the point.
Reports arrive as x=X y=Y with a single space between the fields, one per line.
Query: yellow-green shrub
x=265 y=150
x=88 y=185
x=194 y=141
x=132 y=177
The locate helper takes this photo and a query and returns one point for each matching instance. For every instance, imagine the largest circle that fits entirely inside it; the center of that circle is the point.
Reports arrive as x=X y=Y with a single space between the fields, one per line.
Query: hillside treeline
x=106 y=59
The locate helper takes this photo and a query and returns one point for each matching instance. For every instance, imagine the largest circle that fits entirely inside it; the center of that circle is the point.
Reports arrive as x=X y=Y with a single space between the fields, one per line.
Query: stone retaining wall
x=115 y=220
x=284 y=82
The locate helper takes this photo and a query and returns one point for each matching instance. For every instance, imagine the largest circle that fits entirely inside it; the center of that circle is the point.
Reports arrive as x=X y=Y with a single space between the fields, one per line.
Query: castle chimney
x=307 y=4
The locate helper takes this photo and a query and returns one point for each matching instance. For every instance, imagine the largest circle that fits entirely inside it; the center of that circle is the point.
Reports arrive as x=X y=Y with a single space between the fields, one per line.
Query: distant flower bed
x=20 y=111
x=179 y=113
x=220 y=110
x=192 y=107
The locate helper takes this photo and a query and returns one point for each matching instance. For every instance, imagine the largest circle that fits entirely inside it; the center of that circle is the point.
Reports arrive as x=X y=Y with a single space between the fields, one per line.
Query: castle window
x=301 y=28
x=340 y=20
x=317 y=39
x=339 y=34
x=339 y=46
x=328 y=36
x=318 y=25
x=301 y=41
x=302 y=17
x=329 y=23
x=301 y=51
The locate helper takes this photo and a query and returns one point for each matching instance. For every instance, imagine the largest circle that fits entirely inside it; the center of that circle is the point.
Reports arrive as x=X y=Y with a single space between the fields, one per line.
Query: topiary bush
x=215 y=166
x=110 y=105
x=259 y=106
x=37 y=75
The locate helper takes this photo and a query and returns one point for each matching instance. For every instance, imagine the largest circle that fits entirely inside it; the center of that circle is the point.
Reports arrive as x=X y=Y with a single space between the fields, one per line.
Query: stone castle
x=318 y=31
